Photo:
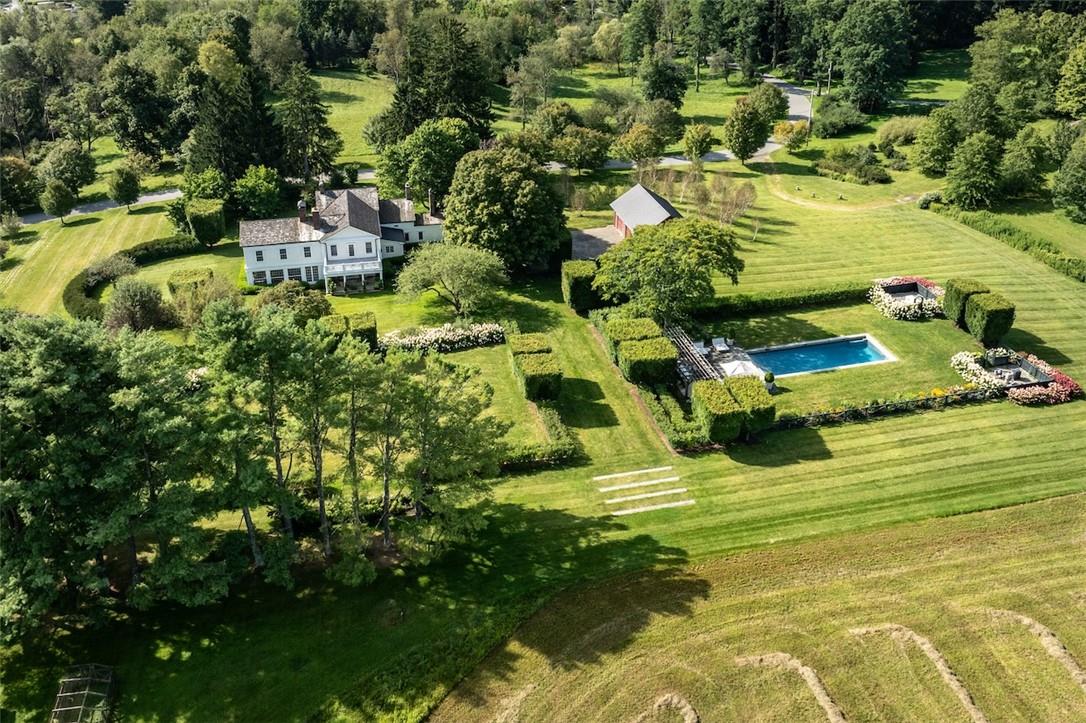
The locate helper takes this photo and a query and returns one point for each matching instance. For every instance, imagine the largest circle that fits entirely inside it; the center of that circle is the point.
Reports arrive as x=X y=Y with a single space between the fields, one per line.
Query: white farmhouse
x=342 y=240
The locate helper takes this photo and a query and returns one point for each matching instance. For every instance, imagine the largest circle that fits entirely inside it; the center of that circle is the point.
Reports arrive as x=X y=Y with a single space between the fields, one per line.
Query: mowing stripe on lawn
x=615 y=475
x=632 y=485
x=650 y=508
x=645 y=496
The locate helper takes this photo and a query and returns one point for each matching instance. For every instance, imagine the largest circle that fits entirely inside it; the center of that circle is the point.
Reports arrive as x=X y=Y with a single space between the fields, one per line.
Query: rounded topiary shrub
x=958 y=292
x=989 y=317
x=206 y=220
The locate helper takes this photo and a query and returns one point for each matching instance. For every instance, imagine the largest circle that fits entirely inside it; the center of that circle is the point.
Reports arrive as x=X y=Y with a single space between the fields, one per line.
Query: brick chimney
x=316 y=219
x=301 y=210
x=406 y=191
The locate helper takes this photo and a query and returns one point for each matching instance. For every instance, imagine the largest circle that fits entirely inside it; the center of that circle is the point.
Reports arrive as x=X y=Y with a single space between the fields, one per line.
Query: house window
x=333 y=250
x=350 y=249
x=259 y=255
x=260 y=277
x=276 y=276
x=307 y=252
x=282 y=254
x=294 y=274
x=369 y=248
x=390 y=249
x=310 y=274
x=420 y=235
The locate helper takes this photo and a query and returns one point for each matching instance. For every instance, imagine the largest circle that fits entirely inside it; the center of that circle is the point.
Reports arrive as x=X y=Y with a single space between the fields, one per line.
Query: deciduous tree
x=124 y=186
x=1069 y=186
x=56 y=199
x=745 y=130
x=462 y=276
x=871 y=45
x=426 y=160
x=1071 y=91
x=973 y=178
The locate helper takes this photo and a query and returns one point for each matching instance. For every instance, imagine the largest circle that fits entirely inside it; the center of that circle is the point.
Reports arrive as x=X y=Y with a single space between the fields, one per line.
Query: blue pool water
x=819 y=355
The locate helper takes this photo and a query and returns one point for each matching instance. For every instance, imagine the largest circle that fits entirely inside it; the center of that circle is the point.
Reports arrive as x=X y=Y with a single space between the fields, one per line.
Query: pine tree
x=310 y=144
x=1071 y=92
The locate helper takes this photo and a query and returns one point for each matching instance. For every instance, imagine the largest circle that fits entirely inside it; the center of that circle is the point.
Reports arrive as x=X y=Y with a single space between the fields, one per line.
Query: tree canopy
x=463 y=276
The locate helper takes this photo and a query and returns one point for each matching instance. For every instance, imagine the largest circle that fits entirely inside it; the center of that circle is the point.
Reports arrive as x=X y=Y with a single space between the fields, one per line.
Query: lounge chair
x=720 y=344
x=699 y=347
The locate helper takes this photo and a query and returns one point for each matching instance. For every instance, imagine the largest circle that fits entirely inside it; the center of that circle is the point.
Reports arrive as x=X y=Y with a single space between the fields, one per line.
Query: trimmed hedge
x=760 y=409
x=560 y=448
x=577 y=278
x=539 y=375
x=750 y=304
x=617 y=331
x=188 y=277
x=363 y=326
x=989 y=317
x=1039 y=248
x=958 y=292
x=77 y=297
x=715 y=408
x=77 y=302
x=528 y=343
x=683 y=432
x=648 y=361
x=206 y=219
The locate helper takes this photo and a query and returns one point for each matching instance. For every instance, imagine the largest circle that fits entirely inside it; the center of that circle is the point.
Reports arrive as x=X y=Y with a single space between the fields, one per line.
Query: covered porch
x=353 y=277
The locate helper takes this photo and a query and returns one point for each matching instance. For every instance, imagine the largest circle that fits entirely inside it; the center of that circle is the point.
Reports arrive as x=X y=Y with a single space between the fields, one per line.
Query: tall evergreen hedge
x=715 y=408
x=648 y=361
x=206 y=218
x=759 y=407
x=958 y=292
x=577 y=291
x=989 y=317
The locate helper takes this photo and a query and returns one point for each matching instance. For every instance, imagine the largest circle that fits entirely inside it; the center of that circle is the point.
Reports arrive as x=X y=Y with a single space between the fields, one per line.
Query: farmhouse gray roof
x=355 y=207
x=397 y=210
x=268 y=231
x=640 y=206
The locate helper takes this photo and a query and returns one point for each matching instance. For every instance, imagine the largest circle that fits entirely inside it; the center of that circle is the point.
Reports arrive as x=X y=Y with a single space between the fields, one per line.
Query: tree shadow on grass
x=770 y=330
x=582 y=405
x=1022 y=340
x=147 y=210
x=82 y=221
x=321 y=648
x=24 y=236
x=781 y=448
x=9 y=263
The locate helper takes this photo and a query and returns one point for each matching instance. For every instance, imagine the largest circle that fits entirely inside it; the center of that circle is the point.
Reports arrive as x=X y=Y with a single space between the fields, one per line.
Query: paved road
x=166 y=195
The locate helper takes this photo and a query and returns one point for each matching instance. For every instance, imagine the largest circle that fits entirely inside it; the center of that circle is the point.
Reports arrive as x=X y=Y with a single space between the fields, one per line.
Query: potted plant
x=770 y=385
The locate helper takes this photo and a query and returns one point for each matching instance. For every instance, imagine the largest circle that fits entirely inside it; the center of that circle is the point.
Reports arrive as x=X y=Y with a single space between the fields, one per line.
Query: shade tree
x=462 y=276
x=973 y=175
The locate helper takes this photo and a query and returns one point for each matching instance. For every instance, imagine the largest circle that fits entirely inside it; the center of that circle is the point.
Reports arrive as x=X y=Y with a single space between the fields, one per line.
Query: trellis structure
x=85 y=695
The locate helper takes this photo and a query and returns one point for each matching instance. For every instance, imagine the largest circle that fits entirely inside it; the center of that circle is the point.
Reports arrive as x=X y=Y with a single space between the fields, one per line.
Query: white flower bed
x=901 y=309
x=448 y=337
x=966 y=364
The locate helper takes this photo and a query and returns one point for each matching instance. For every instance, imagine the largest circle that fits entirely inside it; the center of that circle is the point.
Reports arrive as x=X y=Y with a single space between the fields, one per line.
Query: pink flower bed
x=1062 y=389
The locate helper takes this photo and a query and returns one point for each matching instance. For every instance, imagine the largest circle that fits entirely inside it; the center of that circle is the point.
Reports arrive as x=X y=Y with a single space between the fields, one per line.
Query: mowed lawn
x=923 y=350
x=609 y=652
x=353 y=98
x=48 y=255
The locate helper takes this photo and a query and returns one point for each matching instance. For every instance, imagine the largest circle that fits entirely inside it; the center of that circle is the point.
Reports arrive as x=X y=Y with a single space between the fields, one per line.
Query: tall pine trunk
x=277 y=455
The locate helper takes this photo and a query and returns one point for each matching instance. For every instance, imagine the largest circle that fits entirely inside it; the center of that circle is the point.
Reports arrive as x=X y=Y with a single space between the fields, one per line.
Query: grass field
x=48 y=255
x=1039 y=218
x=608 y=653
x=923 y=350
x=940 y=75
x=108 y=157
x=354 y=98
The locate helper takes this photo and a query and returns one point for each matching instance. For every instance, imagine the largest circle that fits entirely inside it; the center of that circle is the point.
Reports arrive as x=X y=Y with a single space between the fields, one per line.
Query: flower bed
x=902 y=309
x=968 y=364
x=445 y=338
x=1062 y=388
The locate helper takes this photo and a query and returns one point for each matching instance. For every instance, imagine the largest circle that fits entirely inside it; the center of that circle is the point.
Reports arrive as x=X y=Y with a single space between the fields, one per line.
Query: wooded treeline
x=136 y=471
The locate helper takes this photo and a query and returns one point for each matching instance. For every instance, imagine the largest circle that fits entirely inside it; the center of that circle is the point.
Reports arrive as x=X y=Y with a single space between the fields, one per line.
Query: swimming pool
x=816 y=356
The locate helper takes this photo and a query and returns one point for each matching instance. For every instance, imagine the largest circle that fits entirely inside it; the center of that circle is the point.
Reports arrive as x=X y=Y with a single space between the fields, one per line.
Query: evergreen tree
x=973 y=178
x=310 y=144
x=640 y=26
x=443 y=77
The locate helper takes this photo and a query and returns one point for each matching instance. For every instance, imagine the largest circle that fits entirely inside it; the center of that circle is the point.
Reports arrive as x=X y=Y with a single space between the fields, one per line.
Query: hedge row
x=577 y=278
x=989 y=317
x=77 y=297
x=560 y=448
x=749 y=304
x=538 y=373
x=648 y=361
x=362 y=326
x=206 y=219
x=958 y=292
x=621 y=330
x=188 y=278
x=758 y=406
x=715 y=408
x=1039 y=248
x=682 y=432
x=528 y=343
